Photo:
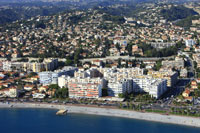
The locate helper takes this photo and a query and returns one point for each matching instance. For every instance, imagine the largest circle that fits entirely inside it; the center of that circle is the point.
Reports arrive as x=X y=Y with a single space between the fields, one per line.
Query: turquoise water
x=45 y=121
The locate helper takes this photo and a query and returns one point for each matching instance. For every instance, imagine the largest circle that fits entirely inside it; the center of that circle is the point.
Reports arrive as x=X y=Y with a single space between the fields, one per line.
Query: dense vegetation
x=177 y=12
x=149 y=51
x=60 y=92
x=18 y=10
x=187 y=22
x=19 y=13
x=116 y=19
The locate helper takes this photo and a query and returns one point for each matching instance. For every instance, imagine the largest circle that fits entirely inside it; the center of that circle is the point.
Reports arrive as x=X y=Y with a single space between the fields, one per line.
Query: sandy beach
x=172 y=119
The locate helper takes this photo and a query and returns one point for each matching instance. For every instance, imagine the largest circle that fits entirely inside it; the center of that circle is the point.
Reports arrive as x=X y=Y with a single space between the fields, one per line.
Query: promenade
x=172 y=119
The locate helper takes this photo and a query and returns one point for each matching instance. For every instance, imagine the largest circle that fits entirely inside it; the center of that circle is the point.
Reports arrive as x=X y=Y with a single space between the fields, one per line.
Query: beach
x=171 y=119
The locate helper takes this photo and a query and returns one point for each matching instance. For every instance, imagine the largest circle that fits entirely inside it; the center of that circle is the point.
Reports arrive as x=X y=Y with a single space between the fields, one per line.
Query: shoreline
x=170 y=119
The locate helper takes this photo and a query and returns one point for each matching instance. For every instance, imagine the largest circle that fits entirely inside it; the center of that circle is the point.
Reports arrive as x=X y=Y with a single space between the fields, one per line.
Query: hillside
x=187 y=22
x=177 y=12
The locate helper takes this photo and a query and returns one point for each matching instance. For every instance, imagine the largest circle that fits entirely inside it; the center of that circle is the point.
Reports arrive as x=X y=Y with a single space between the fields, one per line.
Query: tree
x=142 y=65
x=69 y=62
x=77 y=56
x=130 y=106
x=121 y=95
x=145 y=71
x=54 y=86
x=158 y=65
x=129 y=49
x=61 y=93
x=32 y=74
x=119 y=62
x=118 y=46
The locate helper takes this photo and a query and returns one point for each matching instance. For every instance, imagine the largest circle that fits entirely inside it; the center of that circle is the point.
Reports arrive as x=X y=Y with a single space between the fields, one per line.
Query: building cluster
x=51 y=77
x=94 y=36
x=9 y=83
x=187 y=94
x=178 y=63
x=91 y=82
x=160 y=45
x=48 y=64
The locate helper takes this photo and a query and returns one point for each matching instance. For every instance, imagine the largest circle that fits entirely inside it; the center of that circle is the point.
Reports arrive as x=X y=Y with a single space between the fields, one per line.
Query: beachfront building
x=81 y=76
x=119 y=87
x=155 y=87
x=13 y=92
x=49 y=77
x=62 y=81
x=9 y=92
x=85 y=88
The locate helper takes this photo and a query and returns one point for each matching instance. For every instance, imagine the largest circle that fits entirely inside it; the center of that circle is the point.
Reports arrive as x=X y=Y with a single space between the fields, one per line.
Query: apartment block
x=85 y=88
x=119 y=87
x=49 y=77
x=47 y=65
x=160 y=45
x=170 y=76
x=177 y=63
x=155 y=87
x=92 y=73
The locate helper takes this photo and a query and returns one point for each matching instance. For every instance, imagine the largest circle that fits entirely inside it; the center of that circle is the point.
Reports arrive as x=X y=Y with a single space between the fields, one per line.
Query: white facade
x=118 y=87
x=155 y=87
x=49 y=77
x=12 y=92
x=189 y=43
x=62 y=81
x=7 y=66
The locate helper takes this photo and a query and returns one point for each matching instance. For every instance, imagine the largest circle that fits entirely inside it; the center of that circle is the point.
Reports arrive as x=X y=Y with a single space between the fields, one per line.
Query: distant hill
x=12 y=10
x=19 y=11
x=177 y=12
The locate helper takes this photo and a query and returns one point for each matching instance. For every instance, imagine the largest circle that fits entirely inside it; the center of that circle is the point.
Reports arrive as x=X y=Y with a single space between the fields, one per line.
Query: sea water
x=45 y=121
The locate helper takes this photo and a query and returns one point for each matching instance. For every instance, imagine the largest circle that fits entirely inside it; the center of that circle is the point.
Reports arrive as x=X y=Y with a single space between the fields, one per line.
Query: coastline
x=171 y=119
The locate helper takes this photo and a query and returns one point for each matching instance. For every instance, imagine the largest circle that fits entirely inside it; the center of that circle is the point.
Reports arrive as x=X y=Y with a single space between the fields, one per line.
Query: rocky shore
x=172 y=119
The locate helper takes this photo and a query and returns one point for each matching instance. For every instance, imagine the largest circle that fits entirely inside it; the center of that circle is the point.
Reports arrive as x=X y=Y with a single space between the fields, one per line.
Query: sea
x=46 y=121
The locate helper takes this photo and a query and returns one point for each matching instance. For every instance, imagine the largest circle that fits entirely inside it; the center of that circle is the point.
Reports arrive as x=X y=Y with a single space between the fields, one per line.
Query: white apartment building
x=118 y=87
x=92 y=73
x=46 y=65
x=177 y=63
x=63 y=81
x=169 y=75
x=120 y=73
x=50 y=77
x=155 y=87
